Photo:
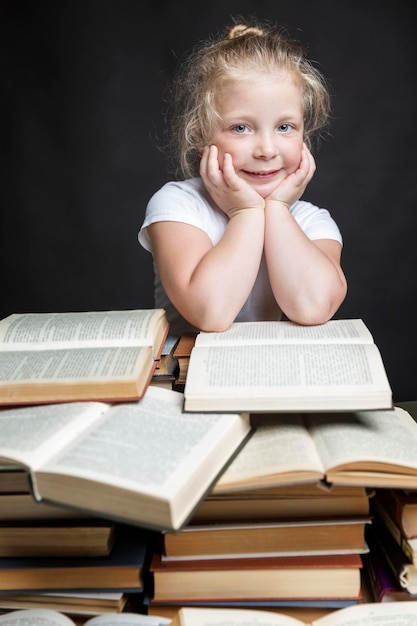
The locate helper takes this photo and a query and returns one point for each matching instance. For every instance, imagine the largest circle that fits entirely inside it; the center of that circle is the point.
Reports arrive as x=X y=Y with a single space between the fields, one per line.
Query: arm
x=209 y=284
x=306 y=277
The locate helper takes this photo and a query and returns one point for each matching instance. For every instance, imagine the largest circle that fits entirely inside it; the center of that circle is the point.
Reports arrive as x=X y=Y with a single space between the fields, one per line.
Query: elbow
x=213 y=323
x=210 y=319
x=320 y=310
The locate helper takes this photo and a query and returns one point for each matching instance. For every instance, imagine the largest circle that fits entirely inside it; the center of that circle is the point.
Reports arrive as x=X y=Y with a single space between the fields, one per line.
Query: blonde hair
x=192 y=111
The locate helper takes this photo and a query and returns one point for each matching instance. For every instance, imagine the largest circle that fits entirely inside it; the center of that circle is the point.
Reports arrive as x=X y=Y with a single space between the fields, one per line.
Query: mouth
x=261 y=175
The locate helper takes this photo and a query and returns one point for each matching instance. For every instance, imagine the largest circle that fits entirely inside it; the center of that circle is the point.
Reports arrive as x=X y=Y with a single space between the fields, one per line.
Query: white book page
x=48 y=617
x=372 y=614
x=72 y=330
x=233 y=617
x=280 y=445
x=254 y=333
x=275 y=370
x=61 y=365
x=378 y=437
x=35 y=617
x=128 y=619
x=32 y=434
x=151 y=445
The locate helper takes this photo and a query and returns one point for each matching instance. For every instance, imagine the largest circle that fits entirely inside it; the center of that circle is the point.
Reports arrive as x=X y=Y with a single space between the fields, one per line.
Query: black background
x=81 y=98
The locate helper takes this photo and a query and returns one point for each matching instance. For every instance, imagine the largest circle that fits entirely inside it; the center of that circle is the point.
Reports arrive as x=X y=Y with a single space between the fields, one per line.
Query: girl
x=232 y=241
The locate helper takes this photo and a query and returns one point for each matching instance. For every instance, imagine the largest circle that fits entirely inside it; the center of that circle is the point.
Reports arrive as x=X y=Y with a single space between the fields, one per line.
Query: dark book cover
x=124 y=568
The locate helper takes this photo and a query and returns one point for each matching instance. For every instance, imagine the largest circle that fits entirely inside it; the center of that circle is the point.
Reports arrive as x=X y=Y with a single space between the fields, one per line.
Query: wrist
x=248 y=212
x=277 y=205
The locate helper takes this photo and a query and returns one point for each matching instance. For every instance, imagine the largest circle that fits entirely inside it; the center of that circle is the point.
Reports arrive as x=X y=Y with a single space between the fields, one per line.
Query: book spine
x=395 y=531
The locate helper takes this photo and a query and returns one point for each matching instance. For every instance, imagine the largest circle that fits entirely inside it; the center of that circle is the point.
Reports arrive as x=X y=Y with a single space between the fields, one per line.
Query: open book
x=342 y=448
x=146 y=463
x=281 y=366
x=367 y=614
x=95 y=355
x=48 y=617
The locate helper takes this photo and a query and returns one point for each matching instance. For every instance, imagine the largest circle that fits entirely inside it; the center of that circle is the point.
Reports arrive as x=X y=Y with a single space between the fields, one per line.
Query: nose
x=266 y=147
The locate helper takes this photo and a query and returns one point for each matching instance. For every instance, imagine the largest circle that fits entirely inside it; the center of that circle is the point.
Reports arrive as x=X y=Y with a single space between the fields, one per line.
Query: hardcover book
x=145 y=463
x=94 y=355
x=282 y=366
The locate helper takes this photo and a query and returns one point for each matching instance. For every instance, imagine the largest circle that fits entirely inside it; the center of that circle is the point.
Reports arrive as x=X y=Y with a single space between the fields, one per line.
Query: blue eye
x=240 y=128
x=284 y=128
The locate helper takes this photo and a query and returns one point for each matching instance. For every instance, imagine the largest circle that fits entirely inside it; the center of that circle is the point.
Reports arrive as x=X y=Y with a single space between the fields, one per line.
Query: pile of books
x=295 y=547
x=94 y=458
x=241 y=476
x=391 y=565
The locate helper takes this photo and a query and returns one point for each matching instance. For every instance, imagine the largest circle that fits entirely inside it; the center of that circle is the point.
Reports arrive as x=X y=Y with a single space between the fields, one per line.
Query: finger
x=203 y=161
x=213 y=167
x=229 y=171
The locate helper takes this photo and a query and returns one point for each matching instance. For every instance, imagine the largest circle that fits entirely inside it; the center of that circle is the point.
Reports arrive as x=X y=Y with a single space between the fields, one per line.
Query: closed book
x=407 y=544
x=21 y=507
x=401 y=506
x=93 y=538
x=305 y=577
x=292 y=502
x=404 y=571
x=381 y=580
x=321 y=536
x=74 y=603
x=13 y=479
x=123 y=569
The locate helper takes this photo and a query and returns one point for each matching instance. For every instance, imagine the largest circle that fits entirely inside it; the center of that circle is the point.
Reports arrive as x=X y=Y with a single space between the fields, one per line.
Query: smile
x=261 y=174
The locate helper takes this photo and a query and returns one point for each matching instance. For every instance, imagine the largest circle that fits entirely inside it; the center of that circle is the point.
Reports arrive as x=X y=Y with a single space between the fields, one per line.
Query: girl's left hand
x=294 y=185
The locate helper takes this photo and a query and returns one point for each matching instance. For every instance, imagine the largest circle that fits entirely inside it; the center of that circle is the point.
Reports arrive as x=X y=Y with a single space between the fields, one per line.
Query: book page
x=48 y=617
x=333 y=331
x=127 y=619
x=189 y=616
x=137 y=442
x=373 y=439
x=35 y=617
x=275 y=370
x=148 y=448
x=36 y=331
x=31 y=434
x=82 y=364
x=279 y=452
x=372 y=614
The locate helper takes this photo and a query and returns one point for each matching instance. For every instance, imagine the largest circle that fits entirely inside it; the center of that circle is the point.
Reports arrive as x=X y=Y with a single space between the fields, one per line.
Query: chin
x=265 y=192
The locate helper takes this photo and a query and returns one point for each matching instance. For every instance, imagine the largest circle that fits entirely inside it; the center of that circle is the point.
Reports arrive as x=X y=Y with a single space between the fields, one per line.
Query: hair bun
x=240 y=29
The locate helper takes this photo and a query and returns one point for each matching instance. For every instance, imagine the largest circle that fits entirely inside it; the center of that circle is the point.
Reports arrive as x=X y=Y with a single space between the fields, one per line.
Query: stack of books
x=250 y=488
x=392 y=566
x=289 y=546
x=267 y=535
x=86 y=437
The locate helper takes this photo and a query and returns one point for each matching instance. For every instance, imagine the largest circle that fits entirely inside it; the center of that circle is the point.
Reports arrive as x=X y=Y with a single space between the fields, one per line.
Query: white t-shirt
x=189 y=202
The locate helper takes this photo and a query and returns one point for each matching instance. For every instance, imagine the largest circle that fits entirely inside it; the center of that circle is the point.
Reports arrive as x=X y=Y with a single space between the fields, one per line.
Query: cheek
x=293 y=156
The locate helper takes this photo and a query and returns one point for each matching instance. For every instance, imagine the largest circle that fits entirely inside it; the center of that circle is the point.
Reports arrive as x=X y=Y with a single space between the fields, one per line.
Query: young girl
x=232 y=241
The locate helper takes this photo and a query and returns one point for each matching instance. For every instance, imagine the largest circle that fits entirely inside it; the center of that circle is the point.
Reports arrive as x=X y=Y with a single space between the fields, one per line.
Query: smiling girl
x=230 y=238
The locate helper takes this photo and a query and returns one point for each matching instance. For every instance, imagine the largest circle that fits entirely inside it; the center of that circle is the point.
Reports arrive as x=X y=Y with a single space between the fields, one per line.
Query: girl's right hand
x=231 y=194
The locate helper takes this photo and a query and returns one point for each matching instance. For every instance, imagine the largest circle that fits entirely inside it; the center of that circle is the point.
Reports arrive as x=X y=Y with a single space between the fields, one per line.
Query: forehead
x=275 y=88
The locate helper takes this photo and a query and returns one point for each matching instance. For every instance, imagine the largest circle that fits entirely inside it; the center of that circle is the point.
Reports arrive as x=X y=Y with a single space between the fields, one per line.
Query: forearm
x=307 y=283
x=222 y=281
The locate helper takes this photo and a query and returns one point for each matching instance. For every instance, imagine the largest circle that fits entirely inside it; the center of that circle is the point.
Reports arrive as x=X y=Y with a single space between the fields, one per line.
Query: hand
x=231 y=194
x=294 y=185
